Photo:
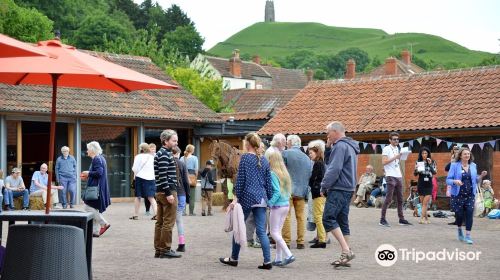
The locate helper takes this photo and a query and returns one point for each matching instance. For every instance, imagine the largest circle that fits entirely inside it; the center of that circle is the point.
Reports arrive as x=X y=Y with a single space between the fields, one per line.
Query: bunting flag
x=438 y=141
x=305 y=148
x=492 y=143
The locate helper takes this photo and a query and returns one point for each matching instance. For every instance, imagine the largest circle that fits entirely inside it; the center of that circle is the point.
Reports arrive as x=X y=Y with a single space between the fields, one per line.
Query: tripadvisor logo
x=387 y=255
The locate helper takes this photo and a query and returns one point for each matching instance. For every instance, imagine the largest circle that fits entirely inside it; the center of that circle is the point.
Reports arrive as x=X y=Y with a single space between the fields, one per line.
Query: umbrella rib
x=21 y=79
x=118 y=84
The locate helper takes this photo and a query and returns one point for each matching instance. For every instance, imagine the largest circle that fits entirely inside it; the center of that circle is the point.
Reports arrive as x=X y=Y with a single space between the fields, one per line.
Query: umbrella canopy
x=78 y=69
x=68 y=67
x=10 y=47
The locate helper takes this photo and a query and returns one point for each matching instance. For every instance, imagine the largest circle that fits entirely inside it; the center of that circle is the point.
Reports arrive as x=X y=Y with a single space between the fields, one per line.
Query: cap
x=211 y=162
x=16 y=170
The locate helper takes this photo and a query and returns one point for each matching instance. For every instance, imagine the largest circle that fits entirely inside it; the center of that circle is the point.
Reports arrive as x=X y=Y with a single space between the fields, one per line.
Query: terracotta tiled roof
x=426 y=101
x=248 y=69
x=287 y=78
x=259 y=100
x=402 y=68
x=178 y=105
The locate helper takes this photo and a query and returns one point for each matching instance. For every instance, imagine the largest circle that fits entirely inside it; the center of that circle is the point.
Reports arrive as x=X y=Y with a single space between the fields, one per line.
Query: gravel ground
x=126 y=251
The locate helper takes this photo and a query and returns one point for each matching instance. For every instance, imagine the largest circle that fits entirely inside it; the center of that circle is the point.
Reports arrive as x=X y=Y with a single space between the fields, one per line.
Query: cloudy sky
x=473 y=24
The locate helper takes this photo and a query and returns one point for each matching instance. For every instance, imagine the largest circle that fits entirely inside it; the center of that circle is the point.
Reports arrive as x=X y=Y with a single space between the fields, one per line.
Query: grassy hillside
x=279 y=39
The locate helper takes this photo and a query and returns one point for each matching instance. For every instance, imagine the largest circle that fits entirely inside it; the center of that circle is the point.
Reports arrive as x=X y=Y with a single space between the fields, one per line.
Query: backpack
x=205 y=183
x=494 y=214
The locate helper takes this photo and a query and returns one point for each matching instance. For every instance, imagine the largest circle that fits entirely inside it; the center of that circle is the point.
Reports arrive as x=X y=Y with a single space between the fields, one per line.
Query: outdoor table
x=83 y=220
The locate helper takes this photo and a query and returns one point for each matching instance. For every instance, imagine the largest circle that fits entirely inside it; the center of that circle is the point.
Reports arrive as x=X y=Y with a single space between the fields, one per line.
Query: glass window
x=116 y=147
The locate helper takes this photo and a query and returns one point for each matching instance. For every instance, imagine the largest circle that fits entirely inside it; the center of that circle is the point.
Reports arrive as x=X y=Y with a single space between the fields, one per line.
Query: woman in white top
x=191 y=162
x=144 y=175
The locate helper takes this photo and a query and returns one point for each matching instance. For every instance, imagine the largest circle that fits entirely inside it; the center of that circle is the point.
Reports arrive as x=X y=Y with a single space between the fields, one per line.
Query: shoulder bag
x=91 y=193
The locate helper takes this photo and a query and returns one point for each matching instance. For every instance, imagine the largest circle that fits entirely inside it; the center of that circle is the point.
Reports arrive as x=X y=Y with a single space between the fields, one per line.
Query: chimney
x=309 y=74
x=235 y=64
x=256 y=59
x=350 y=72
x=390 y=66
x=406 y=57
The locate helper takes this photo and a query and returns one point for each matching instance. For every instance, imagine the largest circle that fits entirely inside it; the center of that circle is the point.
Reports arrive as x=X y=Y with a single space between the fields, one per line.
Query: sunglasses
x=394 y=139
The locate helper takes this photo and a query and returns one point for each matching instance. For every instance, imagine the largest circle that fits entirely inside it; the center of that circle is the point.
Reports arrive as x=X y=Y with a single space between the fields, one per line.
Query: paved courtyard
x=126 y=250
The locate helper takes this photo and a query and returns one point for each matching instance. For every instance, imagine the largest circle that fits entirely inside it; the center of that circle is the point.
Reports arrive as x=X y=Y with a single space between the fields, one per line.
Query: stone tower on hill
x=269 y=17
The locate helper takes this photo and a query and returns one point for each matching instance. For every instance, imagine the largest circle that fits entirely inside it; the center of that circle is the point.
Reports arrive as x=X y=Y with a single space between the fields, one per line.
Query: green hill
x=279 y=39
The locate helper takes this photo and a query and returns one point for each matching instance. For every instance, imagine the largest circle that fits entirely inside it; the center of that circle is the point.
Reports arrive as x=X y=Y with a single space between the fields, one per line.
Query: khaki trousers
x=318 y=208
x=299 y=206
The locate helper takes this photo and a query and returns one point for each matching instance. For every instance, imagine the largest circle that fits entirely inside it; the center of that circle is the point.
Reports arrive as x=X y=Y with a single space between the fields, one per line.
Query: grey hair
x=320 y=144
x=65 y=148
x=294 y=140
x=277 y=138
x=337 y=126
x=166 y=135
x=95 y=147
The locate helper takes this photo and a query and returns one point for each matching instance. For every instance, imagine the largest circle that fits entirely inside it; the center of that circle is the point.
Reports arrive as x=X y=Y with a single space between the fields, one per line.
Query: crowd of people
x=270 y=184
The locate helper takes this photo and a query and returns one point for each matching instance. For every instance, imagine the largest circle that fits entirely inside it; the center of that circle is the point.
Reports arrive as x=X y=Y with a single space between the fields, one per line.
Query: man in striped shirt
x=166 y=195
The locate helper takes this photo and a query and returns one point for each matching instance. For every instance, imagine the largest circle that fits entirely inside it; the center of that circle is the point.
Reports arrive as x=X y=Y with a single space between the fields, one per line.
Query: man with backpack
x=207 y=188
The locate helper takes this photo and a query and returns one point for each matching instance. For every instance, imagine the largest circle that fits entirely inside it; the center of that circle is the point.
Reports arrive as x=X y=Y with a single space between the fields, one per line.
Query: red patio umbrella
x=69 y=67
x=10 y=47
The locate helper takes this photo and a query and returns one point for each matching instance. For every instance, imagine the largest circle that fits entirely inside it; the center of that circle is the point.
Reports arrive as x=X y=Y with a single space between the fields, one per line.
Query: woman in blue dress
x=463 y=180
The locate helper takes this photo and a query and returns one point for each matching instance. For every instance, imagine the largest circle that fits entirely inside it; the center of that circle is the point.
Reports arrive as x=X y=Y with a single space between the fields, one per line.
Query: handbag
x=90 y=193
x=479 y=203
x=192 y=180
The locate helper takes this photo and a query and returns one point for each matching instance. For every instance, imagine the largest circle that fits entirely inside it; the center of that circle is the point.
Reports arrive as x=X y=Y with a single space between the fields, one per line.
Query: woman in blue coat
x=97 y=176
x=463 y=180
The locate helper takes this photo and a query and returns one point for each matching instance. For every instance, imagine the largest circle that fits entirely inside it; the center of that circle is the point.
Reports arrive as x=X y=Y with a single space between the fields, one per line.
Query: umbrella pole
x=55 y=77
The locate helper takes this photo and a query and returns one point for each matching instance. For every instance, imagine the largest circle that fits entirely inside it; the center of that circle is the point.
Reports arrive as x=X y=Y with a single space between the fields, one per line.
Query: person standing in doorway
x=166 y=195
x=66 y=177
x=207 y=188
x=391 y=161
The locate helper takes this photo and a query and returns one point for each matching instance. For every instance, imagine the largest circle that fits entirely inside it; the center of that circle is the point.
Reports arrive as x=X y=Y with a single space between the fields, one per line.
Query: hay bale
x=218 y=199
x=36 y=203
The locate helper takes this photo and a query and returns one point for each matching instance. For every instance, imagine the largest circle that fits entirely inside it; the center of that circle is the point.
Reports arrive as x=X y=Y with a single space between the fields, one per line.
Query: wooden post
x=19 y=145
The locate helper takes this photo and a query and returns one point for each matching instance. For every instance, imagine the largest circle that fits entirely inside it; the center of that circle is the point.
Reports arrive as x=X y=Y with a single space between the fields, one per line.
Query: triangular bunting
x=374 y=147
x=305 y=148
x=481 y=145
x=449 y=144
x=470 y=146
x=401 y=145
x=364 y=145
x=492 y=143
x=438 y=141
x=419 y=140
x=411 y=143
x=383 y=146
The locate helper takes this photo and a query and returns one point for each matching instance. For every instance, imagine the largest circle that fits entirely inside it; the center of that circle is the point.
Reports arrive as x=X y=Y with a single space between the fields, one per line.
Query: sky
x=473 y=24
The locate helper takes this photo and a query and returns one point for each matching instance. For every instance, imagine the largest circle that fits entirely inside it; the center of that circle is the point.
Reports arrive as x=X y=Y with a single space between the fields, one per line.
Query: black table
x=83 y=220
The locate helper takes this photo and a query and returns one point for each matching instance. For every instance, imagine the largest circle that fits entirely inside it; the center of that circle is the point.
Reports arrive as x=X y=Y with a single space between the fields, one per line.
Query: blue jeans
x=376 y=192
x=10 y=195
x=68 y=185
x=336 y=213
x=259 y=214
x=181 y=205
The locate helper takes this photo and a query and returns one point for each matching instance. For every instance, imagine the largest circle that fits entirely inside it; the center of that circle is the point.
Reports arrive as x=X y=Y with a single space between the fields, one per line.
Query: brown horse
x=228 y=157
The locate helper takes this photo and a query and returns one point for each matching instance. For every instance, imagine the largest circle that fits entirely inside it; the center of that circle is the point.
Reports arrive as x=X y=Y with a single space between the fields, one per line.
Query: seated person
x=488 y=196
x=14 y=187
x=378 y=191
x=39 y=183
x=2 y=185
x=365 y=184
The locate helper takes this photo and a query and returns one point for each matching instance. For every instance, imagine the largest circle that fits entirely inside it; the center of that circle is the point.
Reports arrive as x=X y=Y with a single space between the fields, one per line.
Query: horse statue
x=228 y=157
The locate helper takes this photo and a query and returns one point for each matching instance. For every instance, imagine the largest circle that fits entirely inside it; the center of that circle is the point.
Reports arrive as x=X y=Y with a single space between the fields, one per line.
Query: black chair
x=45 y=251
